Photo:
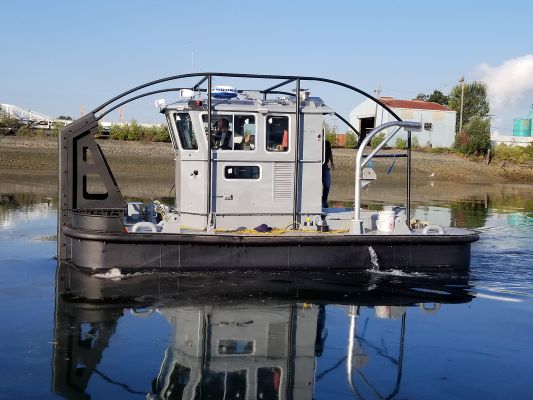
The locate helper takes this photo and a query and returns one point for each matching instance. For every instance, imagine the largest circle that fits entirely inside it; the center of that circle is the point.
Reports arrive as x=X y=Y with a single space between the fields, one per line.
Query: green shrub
x=118 y=132
x=442 y=150
x=8 y=124
x=134 y=131
x=156 y=134
x=376 y=140
x=351 y=140
x=475 y=138
x=415 y=144
x=513 y=154
x=401 y=144
x=26 y=131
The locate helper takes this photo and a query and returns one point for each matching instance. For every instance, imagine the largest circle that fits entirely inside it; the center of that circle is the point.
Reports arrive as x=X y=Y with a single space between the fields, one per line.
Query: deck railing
x=356 y=227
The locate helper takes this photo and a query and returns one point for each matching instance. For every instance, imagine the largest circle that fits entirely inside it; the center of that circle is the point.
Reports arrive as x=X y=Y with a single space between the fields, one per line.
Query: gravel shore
x=31 y=155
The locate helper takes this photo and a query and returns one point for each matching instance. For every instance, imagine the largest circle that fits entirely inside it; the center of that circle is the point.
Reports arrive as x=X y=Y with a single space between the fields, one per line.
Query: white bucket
x=385 y=222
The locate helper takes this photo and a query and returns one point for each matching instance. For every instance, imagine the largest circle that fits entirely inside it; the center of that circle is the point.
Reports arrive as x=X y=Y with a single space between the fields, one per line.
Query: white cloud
x=509 y=82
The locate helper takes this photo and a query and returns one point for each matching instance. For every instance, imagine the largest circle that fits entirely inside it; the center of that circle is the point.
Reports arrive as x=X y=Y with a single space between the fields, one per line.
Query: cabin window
x=277 y=133
x=242 y=172
x=244 y=134
x=231 y=131
x=185 y=131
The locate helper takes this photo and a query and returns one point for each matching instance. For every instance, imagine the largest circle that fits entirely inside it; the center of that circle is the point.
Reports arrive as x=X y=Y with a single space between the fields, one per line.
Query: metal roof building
x=438 y=121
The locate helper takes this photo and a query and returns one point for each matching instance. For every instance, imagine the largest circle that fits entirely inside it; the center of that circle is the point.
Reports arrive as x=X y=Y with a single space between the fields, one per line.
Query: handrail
x=357 y=224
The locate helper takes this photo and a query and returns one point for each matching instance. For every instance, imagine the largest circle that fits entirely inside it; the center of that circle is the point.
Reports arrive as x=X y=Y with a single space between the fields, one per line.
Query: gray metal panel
x=310 y=187
x=79 y=158
x=193 y=175
x=283 y=181
x=311 y=138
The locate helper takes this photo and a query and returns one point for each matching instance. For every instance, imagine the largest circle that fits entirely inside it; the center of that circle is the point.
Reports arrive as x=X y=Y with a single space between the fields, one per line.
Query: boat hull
x=200 y=252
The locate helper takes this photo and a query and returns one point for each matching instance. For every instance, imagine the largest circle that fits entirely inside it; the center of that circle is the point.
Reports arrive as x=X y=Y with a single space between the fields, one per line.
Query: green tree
x=438 y=97
x=475 y=101
x=475 y=137
x=422 y=96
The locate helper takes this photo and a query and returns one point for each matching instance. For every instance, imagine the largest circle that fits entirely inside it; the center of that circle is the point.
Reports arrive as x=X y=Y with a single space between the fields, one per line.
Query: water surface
x=272 y=336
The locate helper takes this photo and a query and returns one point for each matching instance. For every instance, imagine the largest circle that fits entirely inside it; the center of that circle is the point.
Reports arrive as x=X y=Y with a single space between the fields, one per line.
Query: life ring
x=143 y=226
x=432 y=228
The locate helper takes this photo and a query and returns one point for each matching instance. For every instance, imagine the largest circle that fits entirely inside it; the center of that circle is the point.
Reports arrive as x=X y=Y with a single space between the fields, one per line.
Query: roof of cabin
x=312 y=105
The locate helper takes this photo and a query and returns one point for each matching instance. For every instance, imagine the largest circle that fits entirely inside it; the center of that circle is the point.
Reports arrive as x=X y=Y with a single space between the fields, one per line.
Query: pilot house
x=253 y=159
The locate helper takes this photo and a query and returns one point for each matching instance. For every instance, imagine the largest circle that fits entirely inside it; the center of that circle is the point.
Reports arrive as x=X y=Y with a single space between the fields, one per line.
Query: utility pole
x=378 y=94
x=462 y=81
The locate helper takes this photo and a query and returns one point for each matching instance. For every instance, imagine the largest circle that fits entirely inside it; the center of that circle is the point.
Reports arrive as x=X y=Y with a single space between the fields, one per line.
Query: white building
x=438 y=121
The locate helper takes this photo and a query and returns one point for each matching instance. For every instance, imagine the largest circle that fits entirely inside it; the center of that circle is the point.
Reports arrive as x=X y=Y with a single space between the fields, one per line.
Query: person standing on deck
x=326 y=174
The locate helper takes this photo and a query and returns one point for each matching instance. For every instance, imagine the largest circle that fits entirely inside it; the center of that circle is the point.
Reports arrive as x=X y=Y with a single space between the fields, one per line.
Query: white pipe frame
x=360 y=163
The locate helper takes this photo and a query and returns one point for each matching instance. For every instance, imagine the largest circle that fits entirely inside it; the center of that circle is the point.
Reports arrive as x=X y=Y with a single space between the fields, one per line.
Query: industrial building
x=522 y=132
x=438 y=121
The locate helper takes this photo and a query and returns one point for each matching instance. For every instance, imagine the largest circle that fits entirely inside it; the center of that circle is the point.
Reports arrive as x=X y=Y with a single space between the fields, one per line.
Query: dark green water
x=271 y=336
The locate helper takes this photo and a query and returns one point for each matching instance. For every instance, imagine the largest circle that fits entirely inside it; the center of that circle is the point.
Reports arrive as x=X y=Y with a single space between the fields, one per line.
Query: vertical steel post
x=462 y=81
x=209 y=178
x=408 y=208
x=295 y=197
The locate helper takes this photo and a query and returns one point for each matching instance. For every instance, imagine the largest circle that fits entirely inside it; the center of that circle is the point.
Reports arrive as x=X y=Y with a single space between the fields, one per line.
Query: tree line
x=474 y=134
x=128 y=131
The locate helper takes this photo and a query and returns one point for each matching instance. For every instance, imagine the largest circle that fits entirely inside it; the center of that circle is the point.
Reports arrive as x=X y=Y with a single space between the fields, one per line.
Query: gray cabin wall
x=202 y=337
x=268 y=199
x=311 y=156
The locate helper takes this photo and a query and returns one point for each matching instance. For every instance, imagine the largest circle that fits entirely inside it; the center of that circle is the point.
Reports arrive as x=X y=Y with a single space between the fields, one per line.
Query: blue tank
x=522 y=127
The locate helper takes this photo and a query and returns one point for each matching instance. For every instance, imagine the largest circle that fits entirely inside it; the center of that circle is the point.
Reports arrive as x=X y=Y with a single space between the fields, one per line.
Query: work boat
x=248 y=183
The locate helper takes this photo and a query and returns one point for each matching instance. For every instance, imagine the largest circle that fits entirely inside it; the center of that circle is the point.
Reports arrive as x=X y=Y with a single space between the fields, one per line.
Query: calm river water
x=263 y=336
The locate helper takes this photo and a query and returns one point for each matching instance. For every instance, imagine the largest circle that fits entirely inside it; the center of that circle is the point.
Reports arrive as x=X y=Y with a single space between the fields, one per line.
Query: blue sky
x=59 y=56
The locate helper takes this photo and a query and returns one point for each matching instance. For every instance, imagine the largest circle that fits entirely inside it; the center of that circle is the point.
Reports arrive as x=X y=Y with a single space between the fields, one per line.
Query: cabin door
x=253 y=169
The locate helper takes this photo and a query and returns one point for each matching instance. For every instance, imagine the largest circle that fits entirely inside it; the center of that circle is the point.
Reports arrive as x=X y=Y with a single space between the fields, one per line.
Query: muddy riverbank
x=146 y=169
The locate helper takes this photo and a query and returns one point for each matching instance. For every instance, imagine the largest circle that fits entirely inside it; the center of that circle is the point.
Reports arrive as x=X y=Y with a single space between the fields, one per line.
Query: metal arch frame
x=204 y=75
x=208 y=76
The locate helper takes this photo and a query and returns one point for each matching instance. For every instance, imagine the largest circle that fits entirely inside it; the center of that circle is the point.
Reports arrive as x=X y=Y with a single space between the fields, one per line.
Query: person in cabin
x=326 y=174
x=222 y=138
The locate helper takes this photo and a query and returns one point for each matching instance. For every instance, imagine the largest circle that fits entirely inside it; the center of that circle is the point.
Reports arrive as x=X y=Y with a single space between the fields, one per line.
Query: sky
x=66 y=57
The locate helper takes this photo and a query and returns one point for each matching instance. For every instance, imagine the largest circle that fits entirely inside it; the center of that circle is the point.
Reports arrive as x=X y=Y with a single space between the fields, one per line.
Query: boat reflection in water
x=240 y=336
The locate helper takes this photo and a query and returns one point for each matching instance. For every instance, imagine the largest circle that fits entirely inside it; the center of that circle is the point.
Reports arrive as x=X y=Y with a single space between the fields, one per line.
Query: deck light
x=160 y=104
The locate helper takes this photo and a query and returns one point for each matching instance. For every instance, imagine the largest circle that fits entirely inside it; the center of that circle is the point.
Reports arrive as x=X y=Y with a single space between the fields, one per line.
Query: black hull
x=220 y=287
x=188 y=252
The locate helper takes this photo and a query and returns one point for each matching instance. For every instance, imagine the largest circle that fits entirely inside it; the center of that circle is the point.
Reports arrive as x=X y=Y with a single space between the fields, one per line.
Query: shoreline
x=39 y=155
